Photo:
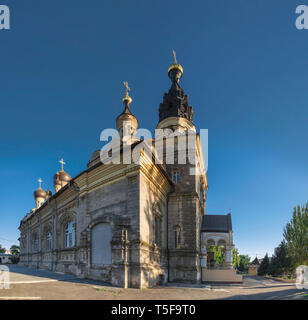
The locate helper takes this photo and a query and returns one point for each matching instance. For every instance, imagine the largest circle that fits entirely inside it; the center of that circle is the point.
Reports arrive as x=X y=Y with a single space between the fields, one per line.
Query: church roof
x=255 y=261
x=90 y=168
x=216 y=223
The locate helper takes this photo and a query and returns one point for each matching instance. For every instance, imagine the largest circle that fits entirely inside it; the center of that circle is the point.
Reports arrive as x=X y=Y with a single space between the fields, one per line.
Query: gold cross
x=40 y=182
x=174 y=56
x=62 y=163
x=127 y=87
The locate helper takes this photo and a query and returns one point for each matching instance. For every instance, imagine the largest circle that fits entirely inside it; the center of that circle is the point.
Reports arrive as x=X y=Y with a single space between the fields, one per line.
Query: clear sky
x=245 y=72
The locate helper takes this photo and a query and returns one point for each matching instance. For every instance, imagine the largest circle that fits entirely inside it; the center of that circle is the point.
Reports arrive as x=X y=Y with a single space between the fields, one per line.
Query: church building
x=131 y=224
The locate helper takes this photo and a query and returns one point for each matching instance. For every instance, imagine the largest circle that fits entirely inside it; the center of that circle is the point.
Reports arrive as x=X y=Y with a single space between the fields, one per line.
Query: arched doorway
x=210 y=253
x=100 y=244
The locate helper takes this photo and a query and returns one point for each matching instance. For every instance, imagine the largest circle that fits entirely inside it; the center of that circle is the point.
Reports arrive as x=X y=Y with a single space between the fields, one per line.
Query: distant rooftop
x=255 y=261
x=216 y=223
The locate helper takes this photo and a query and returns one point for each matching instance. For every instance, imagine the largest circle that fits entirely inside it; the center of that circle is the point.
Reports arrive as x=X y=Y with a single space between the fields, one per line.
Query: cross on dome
x=127 y=99
x=62 y=163
x=40 y=182
x=174 y=56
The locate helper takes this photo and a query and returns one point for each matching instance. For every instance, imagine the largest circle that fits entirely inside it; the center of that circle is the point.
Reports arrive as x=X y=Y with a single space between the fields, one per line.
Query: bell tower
x=186 y=204
x=175 y=111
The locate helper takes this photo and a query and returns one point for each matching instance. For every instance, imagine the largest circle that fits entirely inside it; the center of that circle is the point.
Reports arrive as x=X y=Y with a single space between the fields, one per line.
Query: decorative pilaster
x=229 y=257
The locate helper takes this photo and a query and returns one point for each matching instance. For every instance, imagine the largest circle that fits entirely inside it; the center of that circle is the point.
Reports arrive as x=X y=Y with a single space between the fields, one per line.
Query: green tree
x=15 y=250
x=296 y=236
x=264 y=266
x=219 y=254
x=2 y=250
x=243 y=263
x=235 y=258
x=280 y=263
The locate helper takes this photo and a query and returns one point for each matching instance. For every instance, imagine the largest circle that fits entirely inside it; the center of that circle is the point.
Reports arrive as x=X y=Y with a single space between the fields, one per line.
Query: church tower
x=186 y=203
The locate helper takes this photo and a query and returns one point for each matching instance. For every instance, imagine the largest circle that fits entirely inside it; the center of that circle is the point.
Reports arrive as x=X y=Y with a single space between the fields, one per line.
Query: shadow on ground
x=33 y=274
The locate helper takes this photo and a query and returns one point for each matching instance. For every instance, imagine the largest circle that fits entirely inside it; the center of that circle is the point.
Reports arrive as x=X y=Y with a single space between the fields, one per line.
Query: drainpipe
x=168 y=263
x=54 y=234
x=168 y=237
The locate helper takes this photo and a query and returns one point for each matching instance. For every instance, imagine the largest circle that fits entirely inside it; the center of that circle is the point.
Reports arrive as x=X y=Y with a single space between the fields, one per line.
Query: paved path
x=32 y=284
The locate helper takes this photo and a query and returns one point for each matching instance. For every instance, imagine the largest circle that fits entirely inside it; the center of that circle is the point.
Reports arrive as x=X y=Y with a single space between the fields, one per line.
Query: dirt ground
x=32 y=284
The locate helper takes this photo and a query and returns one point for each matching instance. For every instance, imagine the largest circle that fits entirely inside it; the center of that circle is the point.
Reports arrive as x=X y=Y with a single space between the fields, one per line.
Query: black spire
x=175 y=102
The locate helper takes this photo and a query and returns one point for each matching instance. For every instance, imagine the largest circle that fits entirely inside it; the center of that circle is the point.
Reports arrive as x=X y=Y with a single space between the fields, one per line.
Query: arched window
x=177 y=237
x=221 y=242
x=48 y=241
x=210 y=244
x=176 y=176
x=70 y=234
x=100 y=244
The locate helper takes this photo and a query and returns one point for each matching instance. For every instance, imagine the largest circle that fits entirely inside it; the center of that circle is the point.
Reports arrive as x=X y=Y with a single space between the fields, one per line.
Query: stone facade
x=127 y=202
x=131 y=225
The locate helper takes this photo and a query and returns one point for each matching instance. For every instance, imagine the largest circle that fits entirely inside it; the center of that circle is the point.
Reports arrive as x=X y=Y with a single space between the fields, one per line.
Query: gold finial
x=127 y=87
x=127 y=97
x=175 y=64
x=40 y=183
x=174 y=56
x=62 y=163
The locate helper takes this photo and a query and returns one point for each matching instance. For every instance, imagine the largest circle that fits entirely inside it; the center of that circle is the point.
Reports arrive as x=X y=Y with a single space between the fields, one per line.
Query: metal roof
x=216 y=223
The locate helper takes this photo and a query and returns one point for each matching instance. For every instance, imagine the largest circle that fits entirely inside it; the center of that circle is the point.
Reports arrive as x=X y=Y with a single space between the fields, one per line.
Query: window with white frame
x=70 y=234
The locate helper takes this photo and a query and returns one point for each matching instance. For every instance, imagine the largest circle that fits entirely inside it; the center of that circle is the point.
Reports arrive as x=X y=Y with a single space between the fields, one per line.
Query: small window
x=48 y=241
x=177 y=237
x=176 y=176
x=70 y=235
x=36 y=244
x=157 y=230
x=201 y=195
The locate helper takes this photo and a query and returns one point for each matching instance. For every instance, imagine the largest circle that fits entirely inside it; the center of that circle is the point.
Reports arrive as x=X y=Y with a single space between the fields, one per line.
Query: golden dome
x=127 y=98
x=62 y=176
x=175 y=66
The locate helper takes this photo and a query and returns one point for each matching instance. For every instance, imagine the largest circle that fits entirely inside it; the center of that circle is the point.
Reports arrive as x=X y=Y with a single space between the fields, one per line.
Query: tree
x=14 y=259
x=296 y=236
x=15 y=249
x=235 y=258
x=264 y=266
x=2 y=250
x=280 y=263
x=243 y=263
x=219 y=254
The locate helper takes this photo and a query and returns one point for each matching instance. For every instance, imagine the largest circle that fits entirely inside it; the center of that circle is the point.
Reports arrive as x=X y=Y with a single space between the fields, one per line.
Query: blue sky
x=245 y=72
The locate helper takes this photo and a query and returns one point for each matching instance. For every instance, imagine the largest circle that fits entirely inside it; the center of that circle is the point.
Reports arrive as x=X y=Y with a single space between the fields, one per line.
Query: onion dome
x=126 y=122
x=175 y=70
x=40 y=195
x=61 y=178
